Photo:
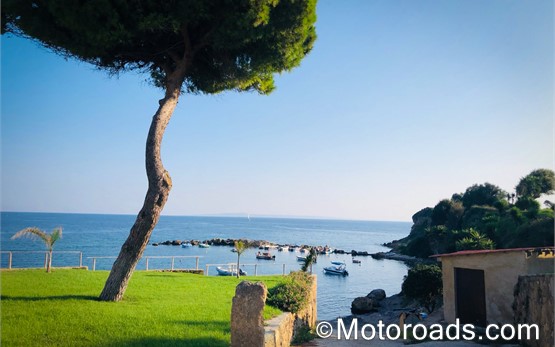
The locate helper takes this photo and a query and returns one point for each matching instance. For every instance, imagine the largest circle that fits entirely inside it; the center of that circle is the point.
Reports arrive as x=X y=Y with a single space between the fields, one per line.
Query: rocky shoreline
x=255 y=244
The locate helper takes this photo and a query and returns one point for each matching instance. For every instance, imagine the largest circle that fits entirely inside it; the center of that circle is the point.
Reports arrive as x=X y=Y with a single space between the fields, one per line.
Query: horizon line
x=225 y=215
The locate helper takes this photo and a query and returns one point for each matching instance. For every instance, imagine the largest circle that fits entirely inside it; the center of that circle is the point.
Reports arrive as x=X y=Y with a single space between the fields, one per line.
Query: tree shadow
x=167 y=342
x=49 y=298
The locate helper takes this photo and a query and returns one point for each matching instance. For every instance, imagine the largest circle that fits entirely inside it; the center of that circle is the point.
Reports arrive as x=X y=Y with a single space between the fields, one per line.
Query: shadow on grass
x=166 y=342
x=48 y=298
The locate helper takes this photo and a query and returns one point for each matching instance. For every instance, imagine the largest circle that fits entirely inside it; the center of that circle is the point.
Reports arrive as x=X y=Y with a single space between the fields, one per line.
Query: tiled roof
x=488 y=251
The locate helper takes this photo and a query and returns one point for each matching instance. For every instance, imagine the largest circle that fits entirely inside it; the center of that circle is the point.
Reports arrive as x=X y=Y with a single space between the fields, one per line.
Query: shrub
x=292 y=294
x=423 y=283
x=474 y=240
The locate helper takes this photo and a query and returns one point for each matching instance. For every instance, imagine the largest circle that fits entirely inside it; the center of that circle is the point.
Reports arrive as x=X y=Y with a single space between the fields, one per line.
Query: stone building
x=478 y=286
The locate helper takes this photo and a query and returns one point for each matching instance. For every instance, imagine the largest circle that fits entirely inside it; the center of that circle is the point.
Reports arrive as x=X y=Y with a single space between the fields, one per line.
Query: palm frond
x=32 y=233
x=55 y=235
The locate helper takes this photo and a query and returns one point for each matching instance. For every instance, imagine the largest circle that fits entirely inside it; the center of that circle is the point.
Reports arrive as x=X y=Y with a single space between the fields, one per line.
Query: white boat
x=301 y=258
x=230 y=271
x=186 y=245
x=204 y=245
x=337 y=268
x=265 y=256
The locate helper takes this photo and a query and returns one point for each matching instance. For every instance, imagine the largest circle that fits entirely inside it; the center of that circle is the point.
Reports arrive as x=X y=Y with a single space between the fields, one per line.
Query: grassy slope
x=159 y=309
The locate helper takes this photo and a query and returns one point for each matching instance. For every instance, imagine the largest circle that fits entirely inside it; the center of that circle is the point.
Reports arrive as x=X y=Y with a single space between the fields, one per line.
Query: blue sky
x=400 y=104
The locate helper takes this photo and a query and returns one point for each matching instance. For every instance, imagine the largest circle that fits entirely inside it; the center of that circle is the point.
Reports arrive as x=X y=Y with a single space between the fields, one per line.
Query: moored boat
x=301 y=258
x=186 y=244
x=356 y=261
x=337 y=268
x=265 y=256
x=204 y=245
x=230 y=271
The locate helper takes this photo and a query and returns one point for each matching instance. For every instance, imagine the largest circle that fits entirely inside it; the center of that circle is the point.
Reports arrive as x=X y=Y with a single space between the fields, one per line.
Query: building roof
x=488 y=251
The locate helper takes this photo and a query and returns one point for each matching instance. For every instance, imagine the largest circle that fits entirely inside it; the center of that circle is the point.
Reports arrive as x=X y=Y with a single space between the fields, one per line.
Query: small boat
x=291 y=249
x=338 y=268
x=280 y=249
x=204 y=245
x=356 y=261
x=303 y=250
x=265 y=256
x=186 y=244
x=234 y=250
x=301 y=258
x=230 y=271
x=325 y=250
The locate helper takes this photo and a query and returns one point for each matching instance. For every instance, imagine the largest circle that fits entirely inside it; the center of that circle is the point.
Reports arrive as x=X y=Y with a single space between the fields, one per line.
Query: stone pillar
x=533 y=304
x=247 y=315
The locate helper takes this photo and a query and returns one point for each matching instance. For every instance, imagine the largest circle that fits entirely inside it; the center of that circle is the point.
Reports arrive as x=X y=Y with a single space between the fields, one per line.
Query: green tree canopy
x=196 y=46
x=483 y=194
x=424 y=283
x=536 y=183
x=226 y=44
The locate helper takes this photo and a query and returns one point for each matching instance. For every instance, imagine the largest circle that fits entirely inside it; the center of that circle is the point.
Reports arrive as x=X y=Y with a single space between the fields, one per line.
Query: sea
x=101 y=236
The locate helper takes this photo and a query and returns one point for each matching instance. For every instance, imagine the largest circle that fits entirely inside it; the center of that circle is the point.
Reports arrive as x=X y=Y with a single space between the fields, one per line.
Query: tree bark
x=49 y=264
x=159 y=186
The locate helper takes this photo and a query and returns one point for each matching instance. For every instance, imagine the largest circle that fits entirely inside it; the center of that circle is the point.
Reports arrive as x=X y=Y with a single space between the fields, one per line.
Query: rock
x=176 y=242
x=377 y=294
x=379 y=255
x=166 y=243
x=247 y=319
x=155 y=244
x=363 y=304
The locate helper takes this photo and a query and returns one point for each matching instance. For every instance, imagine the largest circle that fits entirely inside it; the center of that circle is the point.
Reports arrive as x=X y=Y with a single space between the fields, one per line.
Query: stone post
x=247 y=315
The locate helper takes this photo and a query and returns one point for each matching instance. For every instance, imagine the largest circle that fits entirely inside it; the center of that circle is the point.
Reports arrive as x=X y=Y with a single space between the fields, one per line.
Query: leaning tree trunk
x=159 y=186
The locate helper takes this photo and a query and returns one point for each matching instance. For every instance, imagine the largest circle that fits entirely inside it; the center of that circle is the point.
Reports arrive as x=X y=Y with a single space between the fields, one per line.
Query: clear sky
x=400 y=104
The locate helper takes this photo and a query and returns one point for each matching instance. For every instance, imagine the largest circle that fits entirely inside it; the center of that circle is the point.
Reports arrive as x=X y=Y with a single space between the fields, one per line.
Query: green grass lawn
x=159 y=309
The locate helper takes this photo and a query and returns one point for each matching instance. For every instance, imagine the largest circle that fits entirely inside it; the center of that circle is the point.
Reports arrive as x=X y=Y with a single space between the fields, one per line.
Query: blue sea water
x=102 y=235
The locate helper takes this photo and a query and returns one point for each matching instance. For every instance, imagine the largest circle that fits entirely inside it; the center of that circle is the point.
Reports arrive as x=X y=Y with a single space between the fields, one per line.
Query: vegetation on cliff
x=485 y=217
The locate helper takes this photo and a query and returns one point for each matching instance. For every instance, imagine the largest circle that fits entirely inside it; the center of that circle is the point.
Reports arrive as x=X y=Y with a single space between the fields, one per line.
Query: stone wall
x=281 y=330
x=248 y=327
x=533 y=304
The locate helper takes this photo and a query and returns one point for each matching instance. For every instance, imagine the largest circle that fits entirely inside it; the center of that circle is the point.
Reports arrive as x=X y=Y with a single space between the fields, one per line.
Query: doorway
x=470 y=296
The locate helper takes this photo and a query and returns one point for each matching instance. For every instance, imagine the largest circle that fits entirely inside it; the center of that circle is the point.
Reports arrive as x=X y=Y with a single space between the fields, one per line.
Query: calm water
x=103 y=235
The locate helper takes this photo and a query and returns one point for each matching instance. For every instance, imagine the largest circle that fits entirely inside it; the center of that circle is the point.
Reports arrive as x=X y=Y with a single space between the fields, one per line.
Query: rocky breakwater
x=211 y=242
x=396 y=256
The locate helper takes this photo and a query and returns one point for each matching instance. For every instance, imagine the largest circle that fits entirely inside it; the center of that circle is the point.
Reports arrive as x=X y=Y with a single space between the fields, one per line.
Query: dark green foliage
x=418 y=247
x=482 y=194
x=473 y=240
x=310 y=259
x=448 y=213
x=536 y=183
x=528 y=204
x=535 y=233
x=481 y=218
x=292 y=294
x=302 y=335
x=424 y=283
x=473 y=217
x=227 y=45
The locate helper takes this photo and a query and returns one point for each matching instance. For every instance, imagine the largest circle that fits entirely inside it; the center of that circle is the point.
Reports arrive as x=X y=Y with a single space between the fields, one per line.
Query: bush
x=474 y=240
x=424 y=283
x=292 y=294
